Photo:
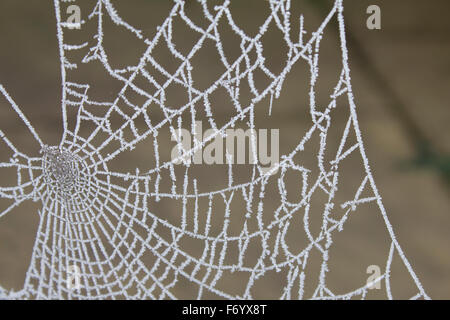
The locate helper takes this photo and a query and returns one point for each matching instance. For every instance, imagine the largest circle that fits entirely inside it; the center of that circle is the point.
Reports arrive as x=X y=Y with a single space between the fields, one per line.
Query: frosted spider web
x=103 y=221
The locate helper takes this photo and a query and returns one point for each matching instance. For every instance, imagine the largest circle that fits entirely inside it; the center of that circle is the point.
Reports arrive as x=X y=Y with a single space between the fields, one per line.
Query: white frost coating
x=100 y=220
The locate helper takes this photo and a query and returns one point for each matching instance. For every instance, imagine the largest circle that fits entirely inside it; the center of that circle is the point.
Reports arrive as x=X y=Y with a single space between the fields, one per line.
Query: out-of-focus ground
x=410 y=52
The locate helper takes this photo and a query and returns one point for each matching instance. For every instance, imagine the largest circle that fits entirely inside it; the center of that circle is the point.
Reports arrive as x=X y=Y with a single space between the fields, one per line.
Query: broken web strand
x=75 y=237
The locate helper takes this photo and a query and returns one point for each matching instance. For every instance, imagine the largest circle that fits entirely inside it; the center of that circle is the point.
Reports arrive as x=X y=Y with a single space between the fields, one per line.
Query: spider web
x=105 y=223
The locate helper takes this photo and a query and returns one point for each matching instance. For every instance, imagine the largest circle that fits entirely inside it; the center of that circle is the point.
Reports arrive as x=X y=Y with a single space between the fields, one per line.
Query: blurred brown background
x=401 y=79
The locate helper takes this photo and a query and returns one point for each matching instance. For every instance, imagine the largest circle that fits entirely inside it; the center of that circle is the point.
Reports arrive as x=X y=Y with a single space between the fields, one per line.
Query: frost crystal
x=107 y=233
